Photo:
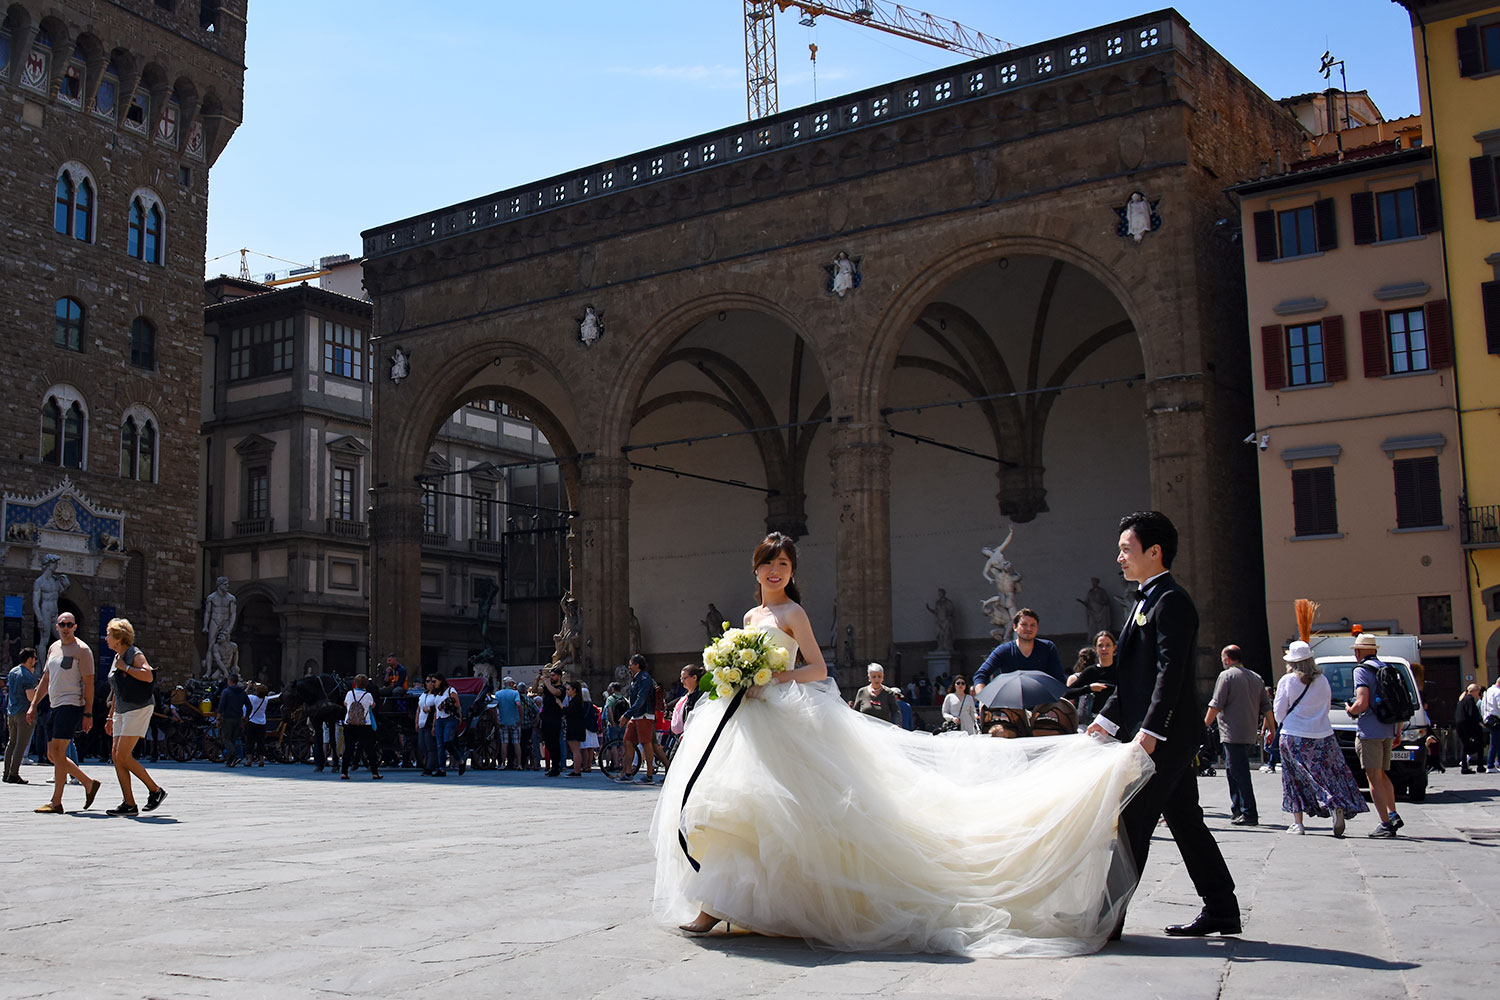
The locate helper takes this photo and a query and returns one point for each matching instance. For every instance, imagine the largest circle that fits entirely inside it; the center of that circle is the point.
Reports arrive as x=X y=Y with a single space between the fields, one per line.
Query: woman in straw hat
x=1314 y=777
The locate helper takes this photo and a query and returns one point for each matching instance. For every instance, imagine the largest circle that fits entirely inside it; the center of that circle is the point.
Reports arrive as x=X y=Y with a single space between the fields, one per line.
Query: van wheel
x=1416 y=794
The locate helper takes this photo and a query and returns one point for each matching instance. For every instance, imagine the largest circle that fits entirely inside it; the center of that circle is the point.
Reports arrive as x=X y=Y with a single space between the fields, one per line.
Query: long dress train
x=814 y=821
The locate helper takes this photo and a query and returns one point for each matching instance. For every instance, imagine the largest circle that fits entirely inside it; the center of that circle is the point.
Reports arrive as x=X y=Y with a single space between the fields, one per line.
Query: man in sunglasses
x=69 y=682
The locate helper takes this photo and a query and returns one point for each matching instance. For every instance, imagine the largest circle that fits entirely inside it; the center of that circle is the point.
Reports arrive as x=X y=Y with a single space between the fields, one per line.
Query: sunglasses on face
x=67 y=624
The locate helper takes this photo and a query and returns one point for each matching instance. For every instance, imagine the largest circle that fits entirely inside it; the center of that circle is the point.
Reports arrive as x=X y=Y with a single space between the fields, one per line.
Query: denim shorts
x=63 y=721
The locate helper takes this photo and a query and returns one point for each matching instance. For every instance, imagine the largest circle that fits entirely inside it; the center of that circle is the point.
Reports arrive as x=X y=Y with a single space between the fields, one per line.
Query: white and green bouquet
x=740 y=659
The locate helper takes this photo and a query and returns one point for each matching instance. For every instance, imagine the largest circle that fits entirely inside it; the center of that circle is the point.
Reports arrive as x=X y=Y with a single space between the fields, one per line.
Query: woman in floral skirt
x=1314 y=778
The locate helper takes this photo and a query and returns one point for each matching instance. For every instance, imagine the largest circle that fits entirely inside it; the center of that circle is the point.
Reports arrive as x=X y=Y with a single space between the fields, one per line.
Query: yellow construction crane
x=760 y=37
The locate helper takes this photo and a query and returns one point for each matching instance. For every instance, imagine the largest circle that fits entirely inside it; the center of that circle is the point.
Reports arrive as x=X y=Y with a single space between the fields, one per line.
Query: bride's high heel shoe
x=705 y=924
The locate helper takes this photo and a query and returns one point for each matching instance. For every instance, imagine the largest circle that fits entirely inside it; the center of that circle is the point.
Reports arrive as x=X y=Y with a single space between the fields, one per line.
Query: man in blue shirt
x=20 y=682
x=1024 y=652
x=508 y=718
x=1374 y=739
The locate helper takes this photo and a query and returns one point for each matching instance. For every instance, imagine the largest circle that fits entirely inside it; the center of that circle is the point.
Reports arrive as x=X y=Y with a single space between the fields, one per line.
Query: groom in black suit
x=1156 y=705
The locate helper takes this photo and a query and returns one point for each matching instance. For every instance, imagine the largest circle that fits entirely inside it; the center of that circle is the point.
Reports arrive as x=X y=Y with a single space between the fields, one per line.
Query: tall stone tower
x=111 y=114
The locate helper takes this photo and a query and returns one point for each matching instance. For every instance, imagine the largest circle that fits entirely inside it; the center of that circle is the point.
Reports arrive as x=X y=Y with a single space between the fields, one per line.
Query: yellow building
x=1458 y=70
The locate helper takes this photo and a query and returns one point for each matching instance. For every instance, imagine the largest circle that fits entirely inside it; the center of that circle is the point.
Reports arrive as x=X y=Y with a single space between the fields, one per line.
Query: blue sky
x=358 y=113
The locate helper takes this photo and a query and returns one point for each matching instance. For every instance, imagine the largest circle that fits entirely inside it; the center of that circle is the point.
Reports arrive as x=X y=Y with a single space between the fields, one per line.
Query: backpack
x=528 y=712
x=1393 y=702
x=357 y=715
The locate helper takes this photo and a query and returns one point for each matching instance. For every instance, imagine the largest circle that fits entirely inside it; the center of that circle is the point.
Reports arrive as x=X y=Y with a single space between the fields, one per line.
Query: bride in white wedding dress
x=810 y=820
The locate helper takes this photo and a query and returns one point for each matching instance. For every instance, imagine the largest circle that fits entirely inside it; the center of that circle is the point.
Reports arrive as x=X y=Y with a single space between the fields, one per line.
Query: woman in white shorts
x=131 y=703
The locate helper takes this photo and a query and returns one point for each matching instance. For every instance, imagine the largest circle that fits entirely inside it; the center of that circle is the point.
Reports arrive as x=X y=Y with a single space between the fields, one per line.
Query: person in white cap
x=1314 y=778
x=1373 y=742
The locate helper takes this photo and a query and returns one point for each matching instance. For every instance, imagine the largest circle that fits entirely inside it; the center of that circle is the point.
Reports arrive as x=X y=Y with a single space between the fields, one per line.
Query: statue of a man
x=634 y=625
x=942 y=613
x=714 y=622
x=568 y=642
x=223 y=658
x=48 y=588
x=1097 y=608
x=220 y=612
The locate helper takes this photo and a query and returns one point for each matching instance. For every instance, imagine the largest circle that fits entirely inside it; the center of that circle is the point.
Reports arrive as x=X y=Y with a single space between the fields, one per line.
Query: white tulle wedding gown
x=814 y=821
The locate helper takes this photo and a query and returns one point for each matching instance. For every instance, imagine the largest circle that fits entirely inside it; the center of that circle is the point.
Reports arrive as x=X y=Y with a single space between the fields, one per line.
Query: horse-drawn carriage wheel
x=179 y=746
x=213 y=749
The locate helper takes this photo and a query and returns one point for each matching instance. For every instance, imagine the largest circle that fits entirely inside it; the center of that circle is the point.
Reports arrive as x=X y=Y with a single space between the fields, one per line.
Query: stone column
x=861 y=463
x=600 y=563
x=396 y=571
x=301 y=640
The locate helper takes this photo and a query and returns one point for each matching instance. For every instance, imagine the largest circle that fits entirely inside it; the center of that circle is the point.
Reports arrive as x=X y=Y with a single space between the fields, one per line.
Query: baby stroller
x=1208 y=752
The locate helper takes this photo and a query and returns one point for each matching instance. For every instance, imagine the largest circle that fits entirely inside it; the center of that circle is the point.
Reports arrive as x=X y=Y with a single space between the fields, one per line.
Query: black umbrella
x=1021 y=689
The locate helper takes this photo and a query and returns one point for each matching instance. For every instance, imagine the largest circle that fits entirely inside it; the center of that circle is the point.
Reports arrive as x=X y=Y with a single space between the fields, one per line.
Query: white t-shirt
x=1310 y=720
x=366 y=699
x=258 y=709
x=443 y=697
x=426 y=704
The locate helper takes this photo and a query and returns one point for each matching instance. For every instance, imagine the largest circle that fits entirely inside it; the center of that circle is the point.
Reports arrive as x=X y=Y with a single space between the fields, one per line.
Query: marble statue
x=1098 y=609
x=48 y=588
x=590 y=327
x=223 y=658
x=714 y=622
x=634 y=625
x=999 y=571
x=844 y=275
x=220 y=612
x=942 y=613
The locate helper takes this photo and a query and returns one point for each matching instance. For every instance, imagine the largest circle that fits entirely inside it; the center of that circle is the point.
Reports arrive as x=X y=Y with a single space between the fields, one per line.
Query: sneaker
x=1265 y=769
x=1395 y=822
x=154 y=799
x=1338 y=823
x=1382 y=832
x=645 y=779
x=123 y=809
x=1296 y=829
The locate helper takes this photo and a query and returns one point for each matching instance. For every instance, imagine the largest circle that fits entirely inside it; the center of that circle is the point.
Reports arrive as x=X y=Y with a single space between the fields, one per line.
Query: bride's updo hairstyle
x=774 y=545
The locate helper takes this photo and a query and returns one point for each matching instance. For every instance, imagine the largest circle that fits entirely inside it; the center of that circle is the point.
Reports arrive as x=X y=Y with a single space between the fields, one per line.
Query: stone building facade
x=1356 y=420
x=286 y=438
x=772 y=326
x=111 y=115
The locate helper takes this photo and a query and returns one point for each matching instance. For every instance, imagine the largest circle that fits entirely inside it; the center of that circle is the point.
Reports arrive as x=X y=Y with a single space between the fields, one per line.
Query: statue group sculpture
x=999 y=571
x=220 y=612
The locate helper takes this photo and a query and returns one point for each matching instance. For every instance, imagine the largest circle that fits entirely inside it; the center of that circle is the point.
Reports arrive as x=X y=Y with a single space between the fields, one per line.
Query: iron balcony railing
x=1479 y=527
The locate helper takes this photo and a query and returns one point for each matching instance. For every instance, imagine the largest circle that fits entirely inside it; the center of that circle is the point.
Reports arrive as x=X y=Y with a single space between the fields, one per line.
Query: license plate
x=1401 y=754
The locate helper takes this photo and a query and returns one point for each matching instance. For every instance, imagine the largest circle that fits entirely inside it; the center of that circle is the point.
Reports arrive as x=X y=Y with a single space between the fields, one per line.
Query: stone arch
x=440 y=395
x=665 y=330
x=906 y=307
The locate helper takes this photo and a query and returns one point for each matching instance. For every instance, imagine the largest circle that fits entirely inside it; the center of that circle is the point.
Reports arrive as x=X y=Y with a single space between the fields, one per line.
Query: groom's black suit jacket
x=1155 y=672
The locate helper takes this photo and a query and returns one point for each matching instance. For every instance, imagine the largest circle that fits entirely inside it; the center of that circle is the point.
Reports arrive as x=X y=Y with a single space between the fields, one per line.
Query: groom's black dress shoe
x=1204 y=924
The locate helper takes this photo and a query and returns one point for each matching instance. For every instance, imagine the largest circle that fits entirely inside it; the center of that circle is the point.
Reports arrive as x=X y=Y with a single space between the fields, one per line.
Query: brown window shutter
x=1482 y=174
x=1469 y=60
x=1362 y=212
x=1429 y=207
x=1439 y=335
x=1335 y=358
x=1273 y=350
x=1372 y=339
x=1325 y=224
x=1265 y=235
x=1490 y=294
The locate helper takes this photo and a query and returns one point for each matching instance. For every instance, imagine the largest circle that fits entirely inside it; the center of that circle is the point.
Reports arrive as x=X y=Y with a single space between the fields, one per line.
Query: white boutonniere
x=1140 y=620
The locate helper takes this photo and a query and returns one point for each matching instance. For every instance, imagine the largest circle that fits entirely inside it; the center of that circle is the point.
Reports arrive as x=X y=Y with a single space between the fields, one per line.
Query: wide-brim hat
x=1298 y=652
x=1364 y=639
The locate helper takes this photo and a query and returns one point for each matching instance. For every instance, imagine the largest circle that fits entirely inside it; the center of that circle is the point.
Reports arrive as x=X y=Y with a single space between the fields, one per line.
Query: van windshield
x=1340 y=674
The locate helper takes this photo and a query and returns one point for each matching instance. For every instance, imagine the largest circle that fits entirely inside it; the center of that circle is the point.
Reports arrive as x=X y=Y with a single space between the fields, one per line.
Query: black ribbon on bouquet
x=734 y=705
